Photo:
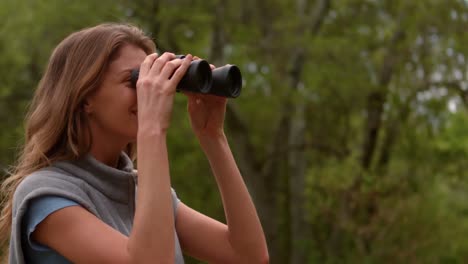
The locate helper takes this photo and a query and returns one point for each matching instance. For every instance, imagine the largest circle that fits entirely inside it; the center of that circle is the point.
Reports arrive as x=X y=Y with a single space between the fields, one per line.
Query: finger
x=170 y=67
x=210 y=97
x=192 y=97
x=196 y=58
x=185 y=93
x=147 y=63
x=195 y=100
x=212 y=67
x=188 y=93
x=179 y=73
x=160 y=62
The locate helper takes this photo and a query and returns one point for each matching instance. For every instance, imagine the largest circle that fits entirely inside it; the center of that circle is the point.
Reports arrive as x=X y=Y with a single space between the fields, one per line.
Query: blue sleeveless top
x=39 y=209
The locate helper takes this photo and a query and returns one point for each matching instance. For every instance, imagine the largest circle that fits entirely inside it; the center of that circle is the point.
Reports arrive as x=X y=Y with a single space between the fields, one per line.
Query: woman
x=72 y=198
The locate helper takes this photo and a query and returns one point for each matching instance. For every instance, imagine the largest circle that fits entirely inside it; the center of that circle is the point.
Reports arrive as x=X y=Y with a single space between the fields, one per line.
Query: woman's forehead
x=128 y=57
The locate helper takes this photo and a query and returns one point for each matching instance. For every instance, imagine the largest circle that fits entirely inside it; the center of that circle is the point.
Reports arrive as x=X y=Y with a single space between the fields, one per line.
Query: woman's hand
x=206 y=113
x=156 y=86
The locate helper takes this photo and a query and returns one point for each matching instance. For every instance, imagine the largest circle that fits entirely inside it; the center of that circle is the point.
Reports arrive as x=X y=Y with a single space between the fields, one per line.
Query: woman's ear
x=88 y=106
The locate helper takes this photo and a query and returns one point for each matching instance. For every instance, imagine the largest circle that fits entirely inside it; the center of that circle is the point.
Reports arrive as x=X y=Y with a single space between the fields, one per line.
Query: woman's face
x=112 y=108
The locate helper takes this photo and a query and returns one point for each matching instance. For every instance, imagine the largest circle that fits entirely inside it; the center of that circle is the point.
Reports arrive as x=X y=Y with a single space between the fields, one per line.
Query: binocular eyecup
x=225 y=81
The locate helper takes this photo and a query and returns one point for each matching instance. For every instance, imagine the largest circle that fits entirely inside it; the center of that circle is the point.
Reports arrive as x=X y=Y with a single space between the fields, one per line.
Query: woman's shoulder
x=48 y=181
x=48 y=177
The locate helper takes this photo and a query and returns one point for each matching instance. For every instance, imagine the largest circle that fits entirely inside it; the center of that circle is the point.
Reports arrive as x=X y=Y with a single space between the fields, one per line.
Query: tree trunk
x=297 y=162
x=297 y=170
x=374 y=110
x=392 y=131
x=375 y=102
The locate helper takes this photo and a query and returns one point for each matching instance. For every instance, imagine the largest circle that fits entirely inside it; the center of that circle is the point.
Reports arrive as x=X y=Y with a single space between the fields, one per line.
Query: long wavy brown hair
x=56 y=128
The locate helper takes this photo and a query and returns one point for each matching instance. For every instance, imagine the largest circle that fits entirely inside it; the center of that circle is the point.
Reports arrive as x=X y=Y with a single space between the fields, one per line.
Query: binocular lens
x=227 y=81
x=197 y=78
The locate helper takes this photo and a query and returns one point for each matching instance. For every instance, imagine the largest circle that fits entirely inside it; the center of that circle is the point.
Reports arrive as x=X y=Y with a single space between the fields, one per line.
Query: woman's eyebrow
x=124 y=74
x=125 y=71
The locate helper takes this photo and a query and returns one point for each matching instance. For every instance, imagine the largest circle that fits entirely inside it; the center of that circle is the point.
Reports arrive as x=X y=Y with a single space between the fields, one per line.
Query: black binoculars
x=225 y=81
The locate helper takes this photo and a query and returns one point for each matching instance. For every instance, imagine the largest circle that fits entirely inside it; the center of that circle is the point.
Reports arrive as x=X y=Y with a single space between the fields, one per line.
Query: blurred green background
x=351 y=131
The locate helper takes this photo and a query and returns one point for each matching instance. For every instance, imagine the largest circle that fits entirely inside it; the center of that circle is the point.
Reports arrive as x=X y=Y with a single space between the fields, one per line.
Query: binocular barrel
x=225 y=81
